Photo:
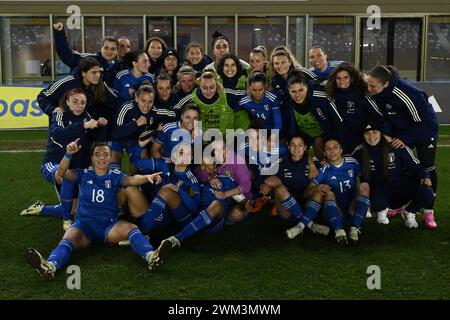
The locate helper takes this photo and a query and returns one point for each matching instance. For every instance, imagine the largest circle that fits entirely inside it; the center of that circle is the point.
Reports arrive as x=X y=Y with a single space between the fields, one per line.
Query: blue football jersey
x=97 y=198
x=267 y=110
x=171 y=135
x=323 y=75
x=125 y=80
x=207 y=191
x=342 y=179
x=294 y=174
x=263 y=163
x=187 y=181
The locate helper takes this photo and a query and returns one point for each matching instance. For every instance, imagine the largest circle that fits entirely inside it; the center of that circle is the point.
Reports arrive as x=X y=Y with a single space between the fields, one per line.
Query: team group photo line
x=211 y=141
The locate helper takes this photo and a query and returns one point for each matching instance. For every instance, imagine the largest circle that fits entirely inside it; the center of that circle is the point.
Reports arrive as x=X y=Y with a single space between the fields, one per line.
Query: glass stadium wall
x=417 y=44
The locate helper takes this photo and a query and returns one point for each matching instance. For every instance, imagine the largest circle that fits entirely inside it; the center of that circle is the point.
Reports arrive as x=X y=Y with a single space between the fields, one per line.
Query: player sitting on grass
x=288 y=187
x=346 y=204
x=97 y=217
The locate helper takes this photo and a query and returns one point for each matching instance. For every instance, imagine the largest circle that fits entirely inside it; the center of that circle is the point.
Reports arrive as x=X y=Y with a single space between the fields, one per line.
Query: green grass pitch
x=251 y=260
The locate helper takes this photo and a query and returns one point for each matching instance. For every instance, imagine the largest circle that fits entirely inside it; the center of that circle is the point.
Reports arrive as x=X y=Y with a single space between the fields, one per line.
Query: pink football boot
x=428 y=219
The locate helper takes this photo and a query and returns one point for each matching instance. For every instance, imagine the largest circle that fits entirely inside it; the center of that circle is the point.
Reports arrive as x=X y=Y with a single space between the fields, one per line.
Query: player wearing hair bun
x=320 y=66
x=221 y=46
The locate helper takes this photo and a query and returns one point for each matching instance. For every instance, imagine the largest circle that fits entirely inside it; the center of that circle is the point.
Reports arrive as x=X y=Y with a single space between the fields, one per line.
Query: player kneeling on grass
x=346 y=205
x=97 y=214
x=395 y=176
x=288 y=187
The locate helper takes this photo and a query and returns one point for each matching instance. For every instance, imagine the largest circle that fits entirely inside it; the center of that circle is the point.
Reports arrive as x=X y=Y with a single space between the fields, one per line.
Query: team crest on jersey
x=266 y=107
x=320 y=113
x=351 y=174
x=287 y=174
x=388 y=106
x=108 y=184
x=350 y=107
x=391 y=157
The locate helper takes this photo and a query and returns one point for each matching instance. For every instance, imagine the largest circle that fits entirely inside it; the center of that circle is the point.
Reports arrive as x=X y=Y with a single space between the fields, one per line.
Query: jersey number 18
x=98 y=196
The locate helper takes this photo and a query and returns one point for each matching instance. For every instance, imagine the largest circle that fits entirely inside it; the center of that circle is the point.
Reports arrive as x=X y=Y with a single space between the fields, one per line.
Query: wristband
x=68 y=156
x=238 y=198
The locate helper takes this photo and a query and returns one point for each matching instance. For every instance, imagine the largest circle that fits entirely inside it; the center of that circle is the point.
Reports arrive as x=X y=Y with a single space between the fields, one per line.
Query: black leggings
x=426 y=153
